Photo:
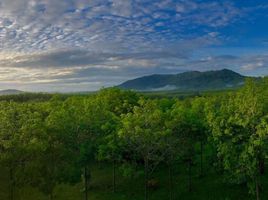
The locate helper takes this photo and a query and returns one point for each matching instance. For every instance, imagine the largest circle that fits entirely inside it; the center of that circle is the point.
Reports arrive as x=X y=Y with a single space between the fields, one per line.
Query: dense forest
x=128 y=145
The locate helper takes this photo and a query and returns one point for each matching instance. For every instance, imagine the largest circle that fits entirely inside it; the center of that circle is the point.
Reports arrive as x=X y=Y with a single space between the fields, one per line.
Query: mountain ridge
x=10 y=92
x=187 y=81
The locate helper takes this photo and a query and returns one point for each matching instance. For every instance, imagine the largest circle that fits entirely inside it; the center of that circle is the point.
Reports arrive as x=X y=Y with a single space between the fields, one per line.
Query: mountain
x=10 y=92
x=187 y=81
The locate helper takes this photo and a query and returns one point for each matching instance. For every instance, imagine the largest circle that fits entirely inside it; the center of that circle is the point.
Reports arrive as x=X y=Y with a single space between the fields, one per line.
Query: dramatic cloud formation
x=78 y=45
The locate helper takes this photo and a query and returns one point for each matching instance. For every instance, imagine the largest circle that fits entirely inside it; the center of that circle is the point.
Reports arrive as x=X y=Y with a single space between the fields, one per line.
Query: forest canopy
x=55 y=140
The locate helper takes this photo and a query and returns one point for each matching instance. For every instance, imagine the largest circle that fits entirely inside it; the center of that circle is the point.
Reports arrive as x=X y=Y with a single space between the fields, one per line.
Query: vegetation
x=187 y=81
x=118 y=144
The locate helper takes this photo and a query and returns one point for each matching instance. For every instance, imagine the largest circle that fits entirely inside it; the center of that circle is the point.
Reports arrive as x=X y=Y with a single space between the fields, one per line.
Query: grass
x=209 y=187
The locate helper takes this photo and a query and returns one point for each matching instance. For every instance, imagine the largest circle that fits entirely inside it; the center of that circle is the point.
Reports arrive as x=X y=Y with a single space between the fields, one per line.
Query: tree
x=12 y=142
x=21 y=128
x=62 y=149
x=171 y=149
x=143 y=131
x=110 y=147
x=114 y=103
x=172 y=152
x=76 y=123
x=186 y=125
x=236 y=133
x=200 y=125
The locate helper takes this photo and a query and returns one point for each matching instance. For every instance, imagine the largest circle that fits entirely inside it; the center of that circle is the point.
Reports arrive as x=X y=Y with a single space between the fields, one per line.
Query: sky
x=84 y=45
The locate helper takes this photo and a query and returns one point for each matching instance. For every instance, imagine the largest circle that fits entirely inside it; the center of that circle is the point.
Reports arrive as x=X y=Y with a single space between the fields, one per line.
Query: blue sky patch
x=79 y=45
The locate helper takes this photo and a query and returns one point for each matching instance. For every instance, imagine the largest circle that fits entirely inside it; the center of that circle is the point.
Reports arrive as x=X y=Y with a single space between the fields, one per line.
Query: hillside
x=187 y=81
x=10 y=92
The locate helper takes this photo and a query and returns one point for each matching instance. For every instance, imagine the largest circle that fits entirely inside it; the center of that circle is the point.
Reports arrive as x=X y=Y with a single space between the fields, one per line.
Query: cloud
x=92 y=70
x=43 y=24
x=78 y=57
x=252 y=66
x=103 y=42
x=256 y=65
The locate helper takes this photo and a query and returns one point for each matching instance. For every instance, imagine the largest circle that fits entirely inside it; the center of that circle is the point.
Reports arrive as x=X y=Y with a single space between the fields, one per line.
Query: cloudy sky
x=80 y=45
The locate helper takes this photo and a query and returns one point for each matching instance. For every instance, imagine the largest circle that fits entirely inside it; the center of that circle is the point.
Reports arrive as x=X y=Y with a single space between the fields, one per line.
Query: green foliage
x=48 y=142
x=239 y=134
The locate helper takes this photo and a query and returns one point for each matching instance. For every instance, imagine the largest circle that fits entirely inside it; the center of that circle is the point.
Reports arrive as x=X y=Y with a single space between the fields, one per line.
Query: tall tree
x=143 y=131
x=200 y=124
x=186 y=125
x=12 y=142
x=114 y=103
x=235 y=133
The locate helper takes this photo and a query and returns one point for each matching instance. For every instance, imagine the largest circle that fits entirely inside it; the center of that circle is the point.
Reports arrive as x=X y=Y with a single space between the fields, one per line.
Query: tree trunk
x=201 y=158
x=114 y=175
x=146 y=178
x=51 y=196
x=11 y=185
x=257 y=190
x=261 y=166
x=170 y=181
x=190 y=174
x=86 y=183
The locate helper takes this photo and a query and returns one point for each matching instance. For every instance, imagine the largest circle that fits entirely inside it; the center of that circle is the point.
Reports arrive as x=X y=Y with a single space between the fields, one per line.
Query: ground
x=209 y=187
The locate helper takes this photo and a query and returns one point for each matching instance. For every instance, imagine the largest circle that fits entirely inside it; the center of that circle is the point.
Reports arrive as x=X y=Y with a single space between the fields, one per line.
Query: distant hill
x=187 y=81
x=10 y=92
